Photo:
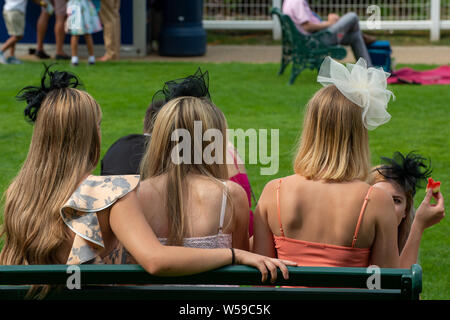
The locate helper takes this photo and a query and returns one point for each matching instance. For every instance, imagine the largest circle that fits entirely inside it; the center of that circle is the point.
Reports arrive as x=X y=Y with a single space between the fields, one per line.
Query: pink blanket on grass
x=440 y=75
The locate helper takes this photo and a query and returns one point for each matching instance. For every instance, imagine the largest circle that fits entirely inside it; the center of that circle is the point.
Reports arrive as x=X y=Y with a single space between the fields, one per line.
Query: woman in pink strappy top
x=326 y=214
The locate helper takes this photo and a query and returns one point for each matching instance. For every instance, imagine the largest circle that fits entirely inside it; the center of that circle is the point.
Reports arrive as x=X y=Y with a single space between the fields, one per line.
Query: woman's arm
x=262 y=235
x=427 y=215
x=240 y=216
x=132 y=230
x=385 y=246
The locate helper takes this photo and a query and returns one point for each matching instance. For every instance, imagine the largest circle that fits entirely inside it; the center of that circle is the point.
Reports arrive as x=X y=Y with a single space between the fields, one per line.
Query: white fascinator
x=364 y=86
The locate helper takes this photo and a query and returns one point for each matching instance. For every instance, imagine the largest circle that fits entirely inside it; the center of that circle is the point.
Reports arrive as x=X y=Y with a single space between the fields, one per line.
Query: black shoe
x=62 y=57
x=42 y=55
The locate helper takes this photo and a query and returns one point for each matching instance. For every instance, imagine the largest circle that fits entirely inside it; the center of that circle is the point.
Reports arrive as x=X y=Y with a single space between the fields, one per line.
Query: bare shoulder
x=380 y=196
x=147 y=190
x=380 y=204
x=236 y=191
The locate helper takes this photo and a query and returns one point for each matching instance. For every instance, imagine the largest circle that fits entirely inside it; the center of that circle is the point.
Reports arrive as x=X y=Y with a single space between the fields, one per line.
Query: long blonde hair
x=65 y=147
x=334 y=145
x=181 y=113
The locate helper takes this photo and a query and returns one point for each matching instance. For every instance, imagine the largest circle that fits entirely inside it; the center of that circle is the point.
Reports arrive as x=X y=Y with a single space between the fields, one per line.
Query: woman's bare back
x=322 y=212
x=203 y=201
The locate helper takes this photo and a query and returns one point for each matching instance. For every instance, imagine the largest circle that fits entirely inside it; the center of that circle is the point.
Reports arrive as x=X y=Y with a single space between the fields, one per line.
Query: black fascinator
x=51 y=80
x=410 y=172
x=196 y=85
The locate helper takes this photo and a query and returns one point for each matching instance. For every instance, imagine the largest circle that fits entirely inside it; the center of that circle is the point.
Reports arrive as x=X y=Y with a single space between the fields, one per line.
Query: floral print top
x=79 y=213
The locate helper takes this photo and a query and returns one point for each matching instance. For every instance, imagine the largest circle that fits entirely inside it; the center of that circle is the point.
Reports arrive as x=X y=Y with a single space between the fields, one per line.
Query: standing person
x=82 y=20
x=14 y=16
x=59 y=8
x=400 y=176
x=344 y=30
x=110 y=17
x=326 y=214
x=57 y=212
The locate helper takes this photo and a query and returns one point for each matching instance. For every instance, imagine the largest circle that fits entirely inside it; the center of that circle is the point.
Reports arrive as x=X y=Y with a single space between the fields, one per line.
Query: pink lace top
x=220 y=240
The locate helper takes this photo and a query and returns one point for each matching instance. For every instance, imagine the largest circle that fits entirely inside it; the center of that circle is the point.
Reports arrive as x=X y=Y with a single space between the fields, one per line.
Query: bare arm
x=132 y=230
x=240 y=216
x=262 y=235
x=385 y=246
x=313 y=27
x=427 y=215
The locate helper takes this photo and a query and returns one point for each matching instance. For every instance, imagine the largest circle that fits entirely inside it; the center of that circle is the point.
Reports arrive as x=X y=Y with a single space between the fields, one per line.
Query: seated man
x=345 y=30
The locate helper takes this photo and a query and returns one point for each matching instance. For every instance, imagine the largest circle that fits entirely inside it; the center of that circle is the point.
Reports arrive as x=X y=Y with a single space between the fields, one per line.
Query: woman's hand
x=264 y=264
x=429 y=214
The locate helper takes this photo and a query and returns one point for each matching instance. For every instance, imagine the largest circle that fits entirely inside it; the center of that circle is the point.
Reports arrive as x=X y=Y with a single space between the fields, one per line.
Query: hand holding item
x=429 y=214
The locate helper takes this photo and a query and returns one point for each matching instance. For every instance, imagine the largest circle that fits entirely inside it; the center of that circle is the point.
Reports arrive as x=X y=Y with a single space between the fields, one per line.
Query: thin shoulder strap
x=222 y=210
x=361 y=214
x=278 y=208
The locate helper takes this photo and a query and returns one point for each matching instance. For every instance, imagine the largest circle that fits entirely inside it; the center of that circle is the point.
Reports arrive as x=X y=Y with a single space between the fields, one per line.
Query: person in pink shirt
x=344 y=30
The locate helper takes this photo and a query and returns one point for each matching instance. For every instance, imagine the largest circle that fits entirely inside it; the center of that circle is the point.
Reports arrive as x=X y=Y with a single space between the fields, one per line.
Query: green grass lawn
x=251 y=96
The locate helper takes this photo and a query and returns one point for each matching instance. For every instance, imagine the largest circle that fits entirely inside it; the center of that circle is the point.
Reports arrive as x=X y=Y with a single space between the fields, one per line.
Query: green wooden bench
x=321 y=283
x=305 y=51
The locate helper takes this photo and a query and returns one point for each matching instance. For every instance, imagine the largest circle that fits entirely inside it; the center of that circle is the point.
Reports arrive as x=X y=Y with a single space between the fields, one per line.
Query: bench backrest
x=291 y=37
x=317 y=282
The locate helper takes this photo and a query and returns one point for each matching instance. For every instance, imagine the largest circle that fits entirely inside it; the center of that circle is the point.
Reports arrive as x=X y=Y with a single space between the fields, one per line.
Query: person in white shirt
x=14 y=16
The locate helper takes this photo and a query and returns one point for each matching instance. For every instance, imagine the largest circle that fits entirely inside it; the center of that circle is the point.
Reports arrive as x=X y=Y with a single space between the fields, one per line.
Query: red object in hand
x=433 y=185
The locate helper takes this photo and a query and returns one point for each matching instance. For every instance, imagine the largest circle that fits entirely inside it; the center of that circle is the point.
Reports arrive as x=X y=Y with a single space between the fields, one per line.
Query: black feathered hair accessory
x=410 y=172
x=196 y=85
x=51 y=80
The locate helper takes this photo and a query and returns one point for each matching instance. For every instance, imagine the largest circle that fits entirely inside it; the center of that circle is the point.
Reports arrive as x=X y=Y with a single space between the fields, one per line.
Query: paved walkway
x=263 y=54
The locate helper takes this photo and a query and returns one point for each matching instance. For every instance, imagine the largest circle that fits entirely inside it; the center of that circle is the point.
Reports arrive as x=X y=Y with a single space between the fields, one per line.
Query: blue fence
x=32 y=15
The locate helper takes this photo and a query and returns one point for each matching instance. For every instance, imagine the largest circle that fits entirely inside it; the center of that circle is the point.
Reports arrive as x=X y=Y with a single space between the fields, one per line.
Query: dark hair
x=409 y=172
x=50 y=80
x=196 y=85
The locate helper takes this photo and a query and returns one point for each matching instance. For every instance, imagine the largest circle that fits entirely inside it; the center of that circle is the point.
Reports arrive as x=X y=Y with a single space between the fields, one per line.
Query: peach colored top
x=315 y=254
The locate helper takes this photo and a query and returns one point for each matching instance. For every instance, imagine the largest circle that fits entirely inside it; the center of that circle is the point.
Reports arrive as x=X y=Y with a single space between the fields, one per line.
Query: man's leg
x=9 y=44
x=359 y=48
x=347 y=32
x=41 y=27
x=60 y=33
x=109 y=15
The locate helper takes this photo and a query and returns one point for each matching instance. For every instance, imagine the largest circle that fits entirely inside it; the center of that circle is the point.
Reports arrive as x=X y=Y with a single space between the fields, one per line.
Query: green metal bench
x=305 y=51
x=99 y=282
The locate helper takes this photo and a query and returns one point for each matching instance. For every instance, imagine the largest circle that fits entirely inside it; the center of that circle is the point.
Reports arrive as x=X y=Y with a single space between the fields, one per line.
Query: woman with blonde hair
x=326 y=214
x=197 y=85
x=57 y=212
x=400 y=176
x=185 y=194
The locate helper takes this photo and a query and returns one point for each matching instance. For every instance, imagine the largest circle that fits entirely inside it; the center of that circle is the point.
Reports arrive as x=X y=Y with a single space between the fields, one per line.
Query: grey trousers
x=346 y=31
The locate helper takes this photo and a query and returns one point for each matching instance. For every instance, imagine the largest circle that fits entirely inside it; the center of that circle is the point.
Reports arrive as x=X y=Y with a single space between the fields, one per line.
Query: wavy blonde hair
x=334 y=145
x=181 y=113
x=65 y=147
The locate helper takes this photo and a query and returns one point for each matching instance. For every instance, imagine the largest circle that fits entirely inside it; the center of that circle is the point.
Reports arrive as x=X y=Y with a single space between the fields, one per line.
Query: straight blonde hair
x=181 y=113
x=65 y=147
x=334 y=145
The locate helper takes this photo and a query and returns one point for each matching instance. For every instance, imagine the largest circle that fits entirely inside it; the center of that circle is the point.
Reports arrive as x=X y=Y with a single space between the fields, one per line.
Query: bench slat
x=398 y=283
